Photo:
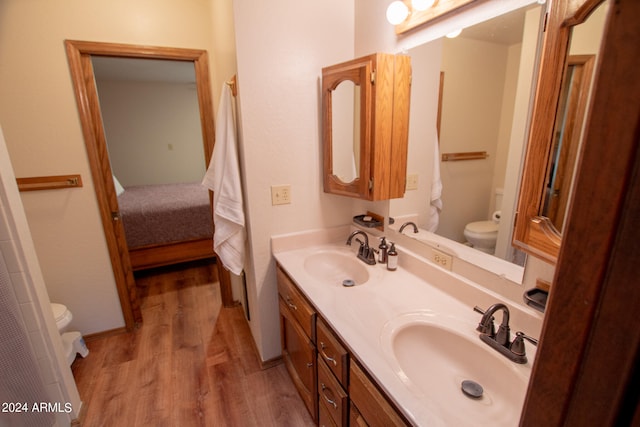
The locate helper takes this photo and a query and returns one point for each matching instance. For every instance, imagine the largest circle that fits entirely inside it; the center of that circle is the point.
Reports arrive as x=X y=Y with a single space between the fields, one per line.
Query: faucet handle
x=517 y=346
x=488 y=327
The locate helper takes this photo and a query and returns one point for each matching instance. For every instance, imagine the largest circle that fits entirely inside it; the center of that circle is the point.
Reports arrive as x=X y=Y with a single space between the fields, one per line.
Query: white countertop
x=362 y=314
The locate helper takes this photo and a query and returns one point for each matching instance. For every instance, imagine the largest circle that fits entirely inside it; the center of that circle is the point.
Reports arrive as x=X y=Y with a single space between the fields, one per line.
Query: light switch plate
x=412 y=181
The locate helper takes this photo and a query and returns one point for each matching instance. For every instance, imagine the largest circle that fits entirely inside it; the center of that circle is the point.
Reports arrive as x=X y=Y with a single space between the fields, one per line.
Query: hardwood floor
x=191 y=363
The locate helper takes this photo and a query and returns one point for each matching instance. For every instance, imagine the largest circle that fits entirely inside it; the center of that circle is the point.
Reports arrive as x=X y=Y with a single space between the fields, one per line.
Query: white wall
x=282 y=46
x=40 y=119
x=153 y=131
x=471 y=111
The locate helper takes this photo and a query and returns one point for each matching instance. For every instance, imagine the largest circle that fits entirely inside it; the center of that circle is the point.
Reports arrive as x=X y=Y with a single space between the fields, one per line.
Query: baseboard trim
x=104 y=334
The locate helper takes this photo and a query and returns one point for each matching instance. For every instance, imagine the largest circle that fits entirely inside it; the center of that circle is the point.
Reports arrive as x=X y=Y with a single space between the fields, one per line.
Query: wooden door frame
x=79 y=56
x=586 y=370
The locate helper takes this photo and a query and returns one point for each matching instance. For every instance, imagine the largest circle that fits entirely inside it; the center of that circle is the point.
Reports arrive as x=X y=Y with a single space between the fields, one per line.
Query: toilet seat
x=62 y=315
x=482 y=228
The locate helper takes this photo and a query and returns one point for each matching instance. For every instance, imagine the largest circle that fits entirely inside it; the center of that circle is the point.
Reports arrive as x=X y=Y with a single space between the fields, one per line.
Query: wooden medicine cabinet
x=571 y=45
x=365 y=104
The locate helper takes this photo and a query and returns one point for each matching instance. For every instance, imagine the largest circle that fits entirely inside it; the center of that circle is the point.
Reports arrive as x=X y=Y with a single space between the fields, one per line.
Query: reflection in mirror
x=486 y=98
x=345 y=129
x=570 y=116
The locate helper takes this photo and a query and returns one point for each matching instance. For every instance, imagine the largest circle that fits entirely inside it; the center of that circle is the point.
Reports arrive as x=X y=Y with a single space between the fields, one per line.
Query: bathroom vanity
x=395 y=348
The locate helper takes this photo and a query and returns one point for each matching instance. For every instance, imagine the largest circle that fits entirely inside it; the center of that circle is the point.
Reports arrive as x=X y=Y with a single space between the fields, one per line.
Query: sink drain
x=348 y=283
x=472 y=389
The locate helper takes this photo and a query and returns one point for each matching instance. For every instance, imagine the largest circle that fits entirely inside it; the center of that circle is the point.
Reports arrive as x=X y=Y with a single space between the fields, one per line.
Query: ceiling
x=504 y=29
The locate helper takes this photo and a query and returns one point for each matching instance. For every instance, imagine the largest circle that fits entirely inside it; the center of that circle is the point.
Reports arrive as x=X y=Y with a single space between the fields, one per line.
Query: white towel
x=435 y=206
x=223 y=178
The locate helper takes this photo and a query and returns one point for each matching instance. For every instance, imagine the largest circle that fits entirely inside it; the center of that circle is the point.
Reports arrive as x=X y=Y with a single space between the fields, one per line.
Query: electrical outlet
x=442 y=259
x=412 y=181
x=280 y=194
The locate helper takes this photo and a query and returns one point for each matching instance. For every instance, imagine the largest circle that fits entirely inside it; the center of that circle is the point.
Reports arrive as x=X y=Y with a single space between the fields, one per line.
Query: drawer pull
x=290 y=304
x=310 y=365
x=326 y=357
x=329 y=401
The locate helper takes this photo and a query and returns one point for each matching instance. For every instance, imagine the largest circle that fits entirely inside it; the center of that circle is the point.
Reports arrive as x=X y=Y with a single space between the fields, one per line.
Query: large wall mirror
x=559 y=117
x=485 y=82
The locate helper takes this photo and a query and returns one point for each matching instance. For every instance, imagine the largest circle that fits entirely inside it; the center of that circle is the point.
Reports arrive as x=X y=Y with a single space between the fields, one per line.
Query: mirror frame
x=535 y=234
x=357 y=72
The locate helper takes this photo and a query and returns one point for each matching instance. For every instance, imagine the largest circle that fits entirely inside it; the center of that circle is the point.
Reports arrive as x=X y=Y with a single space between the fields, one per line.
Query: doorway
x=79 y=54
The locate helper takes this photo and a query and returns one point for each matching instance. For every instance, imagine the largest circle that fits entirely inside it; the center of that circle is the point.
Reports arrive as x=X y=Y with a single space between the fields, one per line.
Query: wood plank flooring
x=191 y=363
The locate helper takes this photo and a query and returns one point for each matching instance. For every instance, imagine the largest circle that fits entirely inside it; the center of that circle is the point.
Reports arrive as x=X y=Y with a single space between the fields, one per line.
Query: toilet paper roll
x=496 y=216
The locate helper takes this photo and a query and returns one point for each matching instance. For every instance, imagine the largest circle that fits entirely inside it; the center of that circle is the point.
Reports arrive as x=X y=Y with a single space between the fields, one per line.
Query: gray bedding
x=167 y=213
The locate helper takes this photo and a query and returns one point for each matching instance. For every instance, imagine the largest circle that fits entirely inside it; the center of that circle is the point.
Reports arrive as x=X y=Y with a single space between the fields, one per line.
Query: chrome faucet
x=413 y=224
x=501 y=340
x=365 y=253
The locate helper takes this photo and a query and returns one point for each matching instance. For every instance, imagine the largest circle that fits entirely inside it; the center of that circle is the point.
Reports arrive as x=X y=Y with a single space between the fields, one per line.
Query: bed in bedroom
x=166 y=224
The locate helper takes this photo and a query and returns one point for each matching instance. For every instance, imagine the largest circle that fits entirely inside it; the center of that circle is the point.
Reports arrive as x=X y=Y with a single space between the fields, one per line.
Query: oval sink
x=434 y=360
x=335 y=267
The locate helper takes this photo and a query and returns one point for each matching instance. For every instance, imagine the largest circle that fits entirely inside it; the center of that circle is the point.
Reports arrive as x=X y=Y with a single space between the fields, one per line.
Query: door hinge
x=115 y=216
x=373 y=77
x=371 y=184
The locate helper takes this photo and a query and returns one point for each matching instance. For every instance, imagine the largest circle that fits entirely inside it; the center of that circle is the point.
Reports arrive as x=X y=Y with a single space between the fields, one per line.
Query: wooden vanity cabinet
x=297 y=328
x=331 y=382
x=371 y=406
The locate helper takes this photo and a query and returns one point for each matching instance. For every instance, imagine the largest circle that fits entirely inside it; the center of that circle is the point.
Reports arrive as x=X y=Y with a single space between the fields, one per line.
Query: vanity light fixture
x=454 y=34
x=397 y=12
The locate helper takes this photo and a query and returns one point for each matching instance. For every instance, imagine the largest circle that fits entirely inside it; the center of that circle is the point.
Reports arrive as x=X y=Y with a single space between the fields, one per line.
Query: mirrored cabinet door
x=365 y=106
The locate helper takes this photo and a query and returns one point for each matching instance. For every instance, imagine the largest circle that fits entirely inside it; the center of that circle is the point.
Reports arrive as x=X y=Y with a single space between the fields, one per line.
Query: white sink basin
x=334 y=267
x=433 y=359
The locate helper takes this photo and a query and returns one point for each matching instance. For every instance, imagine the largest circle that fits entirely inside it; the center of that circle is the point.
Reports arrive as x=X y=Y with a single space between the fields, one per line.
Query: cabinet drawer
x=301 y=310
x=332 y=352
x=331 y=395
x=371 y=403
x=324 y=419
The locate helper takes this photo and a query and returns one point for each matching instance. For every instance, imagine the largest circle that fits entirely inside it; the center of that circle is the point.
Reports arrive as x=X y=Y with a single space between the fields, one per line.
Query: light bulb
x=397 y=12
x=422 y=4
x=454 y=34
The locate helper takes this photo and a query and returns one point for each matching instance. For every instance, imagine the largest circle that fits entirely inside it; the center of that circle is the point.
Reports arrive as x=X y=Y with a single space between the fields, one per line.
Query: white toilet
x=483 y=235
x=72 y=342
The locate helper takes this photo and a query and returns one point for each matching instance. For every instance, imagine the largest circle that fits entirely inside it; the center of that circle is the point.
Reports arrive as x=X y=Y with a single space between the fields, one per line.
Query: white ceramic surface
x=362 y=315
x=335 y=266
x=449 y=355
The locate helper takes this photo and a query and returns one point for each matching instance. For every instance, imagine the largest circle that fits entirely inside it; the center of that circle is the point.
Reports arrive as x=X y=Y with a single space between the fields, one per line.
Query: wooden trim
x=587 y=358
x=79 y=56
x=552 y=69
x=439 y=10
x=54 y=182
x=93 y=131
x=104 y=334
x=171 y=253
x=466 y=155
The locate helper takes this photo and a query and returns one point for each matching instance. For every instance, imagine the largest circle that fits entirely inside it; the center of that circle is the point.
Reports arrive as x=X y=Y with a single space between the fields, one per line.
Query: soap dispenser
x=392 y=258
x=382 y=251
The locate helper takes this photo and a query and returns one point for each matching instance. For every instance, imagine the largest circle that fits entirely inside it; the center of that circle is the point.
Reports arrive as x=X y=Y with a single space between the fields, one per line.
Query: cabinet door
x=373 y=406
x=347 y=117
x=299 y=357
x=365 y=121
